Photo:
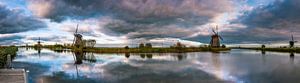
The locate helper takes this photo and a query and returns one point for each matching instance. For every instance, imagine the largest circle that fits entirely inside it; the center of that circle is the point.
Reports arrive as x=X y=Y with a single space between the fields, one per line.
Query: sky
x=134 y=21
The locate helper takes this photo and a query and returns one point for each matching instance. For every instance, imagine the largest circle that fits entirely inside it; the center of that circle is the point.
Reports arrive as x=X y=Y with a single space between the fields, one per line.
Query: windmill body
x=215 y=39
x=78 y=40
x=292 y=42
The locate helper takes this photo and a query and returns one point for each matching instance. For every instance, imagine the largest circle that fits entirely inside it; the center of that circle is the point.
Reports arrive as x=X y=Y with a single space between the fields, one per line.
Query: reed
x=4 y=52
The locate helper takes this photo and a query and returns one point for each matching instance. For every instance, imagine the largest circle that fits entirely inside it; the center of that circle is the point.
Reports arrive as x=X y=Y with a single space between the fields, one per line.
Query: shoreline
x=143 y=50
x=293 y=50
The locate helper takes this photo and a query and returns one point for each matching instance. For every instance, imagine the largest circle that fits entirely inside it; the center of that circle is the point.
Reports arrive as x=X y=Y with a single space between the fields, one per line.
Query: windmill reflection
x=80 y=56
x=217 y=64
x=263 y=52
x=181 y=56
x=38 y=51
x=292 y=57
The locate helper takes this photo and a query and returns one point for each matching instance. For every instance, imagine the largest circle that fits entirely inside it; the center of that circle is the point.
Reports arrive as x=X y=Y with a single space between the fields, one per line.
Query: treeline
x=142 y=48
x=154 y=50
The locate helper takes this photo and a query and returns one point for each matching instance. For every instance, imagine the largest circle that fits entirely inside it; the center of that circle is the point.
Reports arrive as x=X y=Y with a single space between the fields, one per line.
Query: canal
x=235 y=66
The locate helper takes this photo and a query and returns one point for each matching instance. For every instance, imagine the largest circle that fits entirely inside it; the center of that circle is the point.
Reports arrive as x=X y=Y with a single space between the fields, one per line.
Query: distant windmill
x=39 y=45
x=292 y=42
x=215 y=38
x=39 y=41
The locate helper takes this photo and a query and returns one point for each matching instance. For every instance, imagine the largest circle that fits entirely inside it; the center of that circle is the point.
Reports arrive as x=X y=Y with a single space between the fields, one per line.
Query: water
x=236 y=66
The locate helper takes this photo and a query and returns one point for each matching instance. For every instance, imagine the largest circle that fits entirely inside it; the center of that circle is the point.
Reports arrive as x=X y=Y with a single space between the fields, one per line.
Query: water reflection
x=263 y=52
x=238 y=66
x=217 y=64
x=142 y=55
x=36 y=49
x=149 y=56
x=181 y=56
x=127 y=55
x=176 y=56
x=292 y=57
x=80 y=56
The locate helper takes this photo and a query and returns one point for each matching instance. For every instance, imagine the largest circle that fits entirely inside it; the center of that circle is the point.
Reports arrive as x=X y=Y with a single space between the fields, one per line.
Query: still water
x=235 y=66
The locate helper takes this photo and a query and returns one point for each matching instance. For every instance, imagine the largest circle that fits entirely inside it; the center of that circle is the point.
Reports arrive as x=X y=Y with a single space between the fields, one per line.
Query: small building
x=89 y=43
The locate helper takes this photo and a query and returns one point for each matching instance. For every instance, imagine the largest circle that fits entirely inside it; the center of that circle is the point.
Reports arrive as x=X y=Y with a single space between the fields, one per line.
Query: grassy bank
x=296 y=50
x=4 y=51
x=145 y=49
x=152 y=50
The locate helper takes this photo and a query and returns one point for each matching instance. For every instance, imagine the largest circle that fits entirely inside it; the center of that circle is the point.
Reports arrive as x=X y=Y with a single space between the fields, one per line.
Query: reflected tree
x=142 y=55
x=127 y=55
x=149 y=56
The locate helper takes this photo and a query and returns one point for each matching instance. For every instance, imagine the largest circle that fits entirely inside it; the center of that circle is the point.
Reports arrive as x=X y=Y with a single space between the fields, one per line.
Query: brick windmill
x=215 y=38
x=77 y=41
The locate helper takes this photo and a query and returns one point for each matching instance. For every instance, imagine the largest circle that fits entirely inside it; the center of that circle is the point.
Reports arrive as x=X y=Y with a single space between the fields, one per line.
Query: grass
x=138 y=50
x=146 y=49
x=152 y=50
x=4 y=51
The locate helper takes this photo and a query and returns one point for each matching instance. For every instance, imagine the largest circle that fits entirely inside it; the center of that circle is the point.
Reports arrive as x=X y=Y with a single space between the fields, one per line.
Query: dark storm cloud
x=129 y=10
x=271 y=23
x=10 y=39
x=276 y=15
x=136 y=18
x=13 y=21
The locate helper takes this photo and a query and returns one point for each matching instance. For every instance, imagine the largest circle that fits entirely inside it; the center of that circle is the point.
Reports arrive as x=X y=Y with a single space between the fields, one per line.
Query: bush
x=148 y=45
x=126 y=47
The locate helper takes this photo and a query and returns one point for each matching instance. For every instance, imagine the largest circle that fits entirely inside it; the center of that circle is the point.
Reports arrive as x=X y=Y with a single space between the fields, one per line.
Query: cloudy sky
x=127 y=21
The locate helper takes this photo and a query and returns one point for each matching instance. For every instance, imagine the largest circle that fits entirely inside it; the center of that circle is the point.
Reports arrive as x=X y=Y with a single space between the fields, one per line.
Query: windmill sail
x=75 y=35
x=292 y=38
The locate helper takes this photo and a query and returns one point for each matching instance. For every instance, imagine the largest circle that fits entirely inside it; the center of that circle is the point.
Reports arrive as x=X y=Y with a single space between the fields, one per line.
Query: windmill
x=77 y=41
x=38 y=45
x=215 y=38
x=292 y=42
x=39 y=41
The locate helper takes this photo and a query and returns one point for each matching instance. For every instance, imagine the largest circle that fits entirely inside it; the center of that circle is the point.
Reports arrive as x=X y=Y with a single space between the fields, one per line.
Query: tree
x=126 y=47
x=223 y=46
x=141 y=45
x=178 y=44
x=148 y=45
x=263 y=46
